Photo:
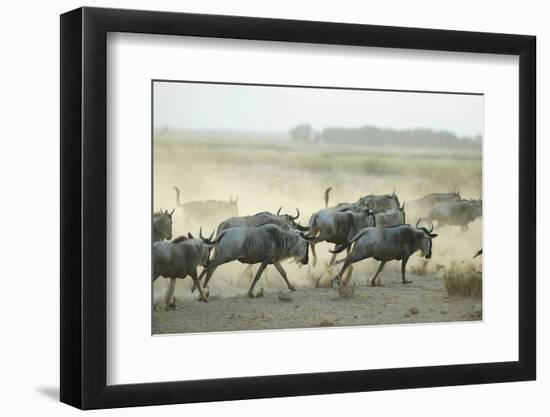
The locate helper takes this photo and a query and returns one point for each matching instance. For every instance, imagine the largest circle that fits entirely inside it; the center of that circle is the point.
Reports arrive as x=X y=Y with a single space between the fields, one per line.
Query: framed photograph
x=257 y=208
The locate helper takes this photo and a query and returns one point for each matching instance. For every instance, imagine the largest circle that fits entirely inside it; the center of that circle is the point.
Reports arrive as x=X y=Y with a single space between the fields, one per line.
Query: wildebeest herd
x=374 y=226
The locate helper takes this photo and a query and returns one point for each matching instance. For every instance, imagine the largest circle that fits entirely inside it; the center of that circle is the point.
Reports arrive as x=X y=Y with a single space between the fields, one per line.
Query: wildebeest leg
x=256 y=278
x=209 y=272
x=380 y=268
x=403 y=265
x=333 y=257
x=203 y=273
x=202 y=296
x=312 y=246
x=283 y=274
x=338 y=277
x=170 y=293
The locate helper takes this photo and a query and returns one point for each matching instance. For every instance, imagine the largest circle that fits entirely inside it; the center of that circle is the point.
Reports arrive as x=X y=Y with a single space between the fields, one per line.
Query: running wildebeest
x=162 y=225
x=285 y=221
x=259 y=219
x=423 y=206
x=180 y=258
x=391 y=217
x=267 y=245
x=379 y=203
x=337 y=225
x=393 y=243
x=457 y=213
x=209 y=212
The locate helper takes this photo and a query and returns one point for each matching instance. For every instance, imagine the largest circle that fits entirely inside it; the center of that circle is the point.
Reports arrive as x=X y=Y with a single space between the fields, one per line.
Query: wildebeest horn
x=393 y=191
x=279 y=211
x=172 y=212
x=403 y=206
x=418 y=222
x=297 y=214
x=306 y=237
x=432 y=228
x=190 y=236
x=200 y=233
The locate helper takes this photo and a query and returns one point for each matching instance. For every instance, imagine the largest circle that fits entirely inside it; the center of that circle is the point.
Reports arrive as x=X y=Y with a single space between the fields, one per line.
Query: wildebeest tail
x=327 y=192
x=341 y=247
x=178 y=202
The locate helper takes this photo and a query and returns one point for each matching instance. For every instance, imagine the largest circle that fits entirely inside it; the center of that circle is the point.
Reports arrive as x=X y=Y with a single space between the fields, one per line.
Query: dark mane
x=180 y=239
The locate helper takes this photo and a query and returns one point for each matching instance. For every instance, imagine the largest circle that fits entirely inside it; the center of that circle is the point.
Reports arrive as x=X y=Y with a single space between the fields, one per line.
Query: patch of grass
x=465 y=281
x=446 y=167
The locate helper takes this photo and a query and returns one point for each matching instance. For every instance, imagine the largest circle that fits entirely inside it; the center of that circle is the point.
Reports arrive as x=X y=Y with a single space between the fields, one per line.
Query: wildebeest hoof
x=203 y=299
x=292 y=288
x=250 y=295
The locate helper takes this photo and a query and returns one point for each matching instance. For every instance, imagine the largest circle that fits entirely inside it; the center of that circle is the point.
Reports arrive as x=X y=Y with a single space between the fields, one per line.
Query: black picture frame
x=84 y=207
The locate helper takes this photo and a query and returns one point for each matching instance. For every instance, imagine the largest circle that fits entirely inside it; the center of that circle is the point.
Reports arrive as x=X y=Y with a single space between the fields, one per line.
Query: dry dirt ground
x=423 y=301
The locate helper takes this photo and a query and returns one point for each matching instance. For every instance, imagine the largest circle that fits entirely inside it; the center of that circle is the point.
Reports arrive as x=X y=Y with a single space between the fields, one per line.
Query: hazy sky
x=215 y=106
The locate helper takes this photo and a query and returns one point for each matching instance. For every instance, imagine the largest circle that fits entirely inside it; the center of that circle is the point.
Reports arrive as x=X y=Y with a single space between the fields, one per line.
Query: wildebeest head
x=455 y=194
x=478 y=206
x=163 y=223
x=426 y=239
x=402 y=210
x=301 y=248
x=290 y=221
x=371 y=219
x=394 y=200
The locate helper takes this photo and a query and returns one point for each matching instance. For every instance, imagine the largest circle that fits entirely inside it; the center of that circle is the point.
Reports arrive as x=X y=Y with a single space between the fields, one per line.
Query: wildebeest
x=180 y=258
x=208 y=212
x=379 y=203
x=259 y=219
x=267 y=245
x=423 y=206
x=391 y=217
x=162 y=225
x=393 y=243
x=337 y=225
x=457 y=213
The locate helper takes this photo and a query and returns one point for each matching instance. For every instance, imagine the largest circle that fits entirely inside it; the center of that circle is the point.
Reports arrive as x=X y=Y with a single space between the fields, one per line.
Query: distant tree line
x=375 y=136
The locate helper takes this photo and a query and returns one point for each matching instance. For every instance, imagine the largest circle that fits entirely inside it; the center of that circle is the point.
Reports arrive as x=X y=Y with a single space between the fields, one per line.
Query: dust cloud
x=266 y=175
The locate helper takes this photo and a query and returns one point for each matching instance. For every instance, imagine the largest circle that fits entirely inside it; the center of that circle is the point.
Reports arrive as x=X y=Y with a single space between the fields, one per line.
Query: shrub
x=465 y=281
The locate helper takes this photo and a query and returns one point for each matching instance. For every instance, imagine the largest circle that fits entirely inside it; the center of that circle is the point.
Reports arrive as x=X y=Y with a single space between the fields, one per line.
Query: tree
x=302 y=133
